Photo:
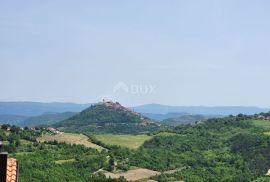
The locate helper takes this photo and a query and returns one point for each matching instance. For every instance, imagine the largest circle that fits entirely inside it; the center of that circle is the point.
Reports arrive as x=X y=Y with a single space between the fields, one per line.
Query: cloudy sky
x=171 y=52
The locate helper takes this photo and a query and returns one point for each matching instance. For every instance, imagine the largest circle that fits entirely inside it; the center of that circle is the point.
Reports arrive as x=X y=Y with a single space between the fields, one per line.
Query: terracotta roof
x=12 y=170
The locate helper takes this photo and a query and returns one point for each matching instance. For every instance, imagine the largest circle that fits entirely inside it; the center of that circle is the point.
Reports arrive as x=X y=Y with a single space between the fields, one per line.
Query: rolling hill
x=160 y=117
x=46 y=119
x=38 y=108
x=107 y=117
x=154 y=111
x=11 y=119
x=187 y=119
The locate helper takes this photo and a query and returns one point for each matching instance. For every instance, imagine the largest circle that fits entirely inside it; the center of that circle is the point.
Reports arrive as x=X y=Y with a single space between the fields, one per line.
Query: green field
x=130 y=141
x=262 y=123
x=70 y=138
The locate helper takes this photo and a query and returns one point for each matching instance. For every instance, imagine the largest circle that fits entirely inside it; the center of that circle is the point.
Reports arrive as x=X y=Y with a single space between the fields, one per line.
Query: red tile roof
x=12 y=170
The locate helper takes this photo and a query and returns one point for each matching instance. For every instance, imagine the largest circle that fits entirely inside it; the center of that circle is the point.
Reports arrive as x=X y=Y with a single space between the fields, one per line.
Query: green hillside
x=129 y=141
x=53 y=161
x=231 y=149
x=186 y=119
x=11 y=119
x=225 y=149
x=46 y=119
x=107 y=117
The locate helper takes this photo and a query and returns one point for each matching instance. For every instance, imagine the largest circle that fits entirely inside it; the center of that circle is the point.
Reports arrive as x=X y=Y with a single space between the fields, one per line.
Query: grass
x=133 y=175
x=261 y=123
x=70 y=138
x=129 y=141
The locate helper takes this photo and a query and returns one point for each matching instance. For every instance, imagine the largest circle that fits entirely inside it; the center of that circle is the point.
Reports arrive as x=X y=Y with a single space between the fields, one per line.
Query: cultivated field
x=70 y=138
x=130 y=141
x=262 y=123
x=133 y=175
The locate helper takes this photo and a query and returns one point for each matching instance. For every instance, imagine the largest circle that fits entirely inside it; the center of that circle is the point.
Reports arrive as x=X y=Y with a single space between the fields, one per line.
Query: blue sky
x=177 y=52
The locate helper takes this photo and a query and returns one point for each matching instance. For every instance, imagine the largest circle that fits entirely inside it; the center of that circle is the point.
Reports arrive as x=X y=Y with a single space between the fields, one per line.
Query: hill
x=38 y=108
x=66 y=157
x=219 y=149
x=203 y=110
x=11 y=119
x=160 y=117
x=234 y=148
x=107 y=117
x=46 y=119
x=186 y=119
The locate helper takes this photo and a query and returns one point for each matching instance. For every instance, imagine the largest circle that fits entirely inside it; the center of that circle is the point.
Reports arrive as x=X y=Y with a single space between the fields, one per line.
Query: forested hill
x=107 y=117
x=187 y=119
x=46 y=119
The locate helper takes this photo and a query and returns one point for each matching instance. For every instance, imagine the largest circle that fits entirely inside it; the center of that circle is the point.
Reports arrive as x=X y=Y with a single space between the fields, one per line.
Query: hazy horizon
x=51 y=102
x=184 y=53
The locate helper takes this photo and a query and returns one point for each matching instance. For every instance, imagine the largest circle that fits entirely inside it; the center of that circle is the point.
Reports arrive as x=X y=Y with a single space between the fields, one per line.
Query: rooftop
x=12 y=170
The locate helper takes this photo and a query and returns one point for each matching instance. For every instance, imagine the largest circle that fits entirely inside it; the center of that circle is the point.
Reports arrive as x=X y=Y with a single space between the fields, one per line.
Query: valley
x=134 y=91
x=232 y=148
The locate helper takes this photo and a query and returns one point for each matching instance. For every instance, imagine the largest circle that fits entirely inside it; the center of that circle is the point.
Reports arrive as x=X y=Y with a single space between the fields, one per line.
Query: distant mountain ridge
x=11 y=119
x=187 y=119
x=107 y=117
x=160 y=117
x=203 y=110
x=34 y=113
x=38 y=108
x=46 y=119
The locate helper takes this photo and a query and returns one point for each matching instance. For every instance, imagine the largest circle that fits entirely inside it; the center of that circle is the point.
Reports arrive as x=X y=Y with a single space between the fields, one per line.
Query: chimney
x=3 y=164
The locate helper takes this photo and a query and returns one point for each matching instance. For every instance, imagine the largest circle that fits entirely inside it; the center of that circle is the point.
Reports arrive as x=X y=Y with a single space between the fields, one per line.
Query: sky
x=173 y=52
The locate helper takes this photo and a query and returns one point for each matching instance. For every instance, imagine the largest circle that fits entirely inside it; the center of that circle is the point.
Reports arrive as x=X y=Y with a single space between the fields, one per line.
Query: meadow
x=69 y=138
x=129 y=141
x=262 y=123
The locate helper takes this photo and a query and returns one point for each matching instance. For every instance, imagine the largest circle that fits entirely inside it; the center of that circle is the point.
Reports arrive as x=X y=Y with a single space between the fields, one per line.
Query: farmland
x=262 y=123
x=70 y=138
x=133 y=175
x=129 y=141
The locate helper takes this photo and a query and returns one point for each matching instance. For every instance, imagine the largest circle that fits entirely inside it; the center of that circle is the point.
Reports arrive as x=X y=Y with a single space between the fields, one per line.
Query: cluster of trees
x=15 y=135
x=266 y=114
x=220 y=149
x=117 y=154
x=53 y=161
x=254 y=149
x=223 y=149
